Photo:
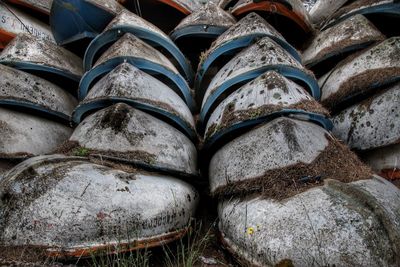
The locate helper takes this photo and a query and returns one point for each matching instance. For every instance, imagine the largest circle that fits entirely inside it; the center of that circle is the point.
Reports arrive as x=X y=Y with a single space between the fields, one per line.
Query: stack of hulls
x=115 y=183
x=36 y=109
x=289 y=191
x=356 y=56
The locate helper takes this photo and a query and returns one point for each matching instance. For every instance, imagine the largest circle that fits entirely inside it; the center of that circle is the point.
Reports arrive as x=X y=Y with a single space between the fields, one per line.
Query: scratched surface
x=349 y=233
x=67 y=204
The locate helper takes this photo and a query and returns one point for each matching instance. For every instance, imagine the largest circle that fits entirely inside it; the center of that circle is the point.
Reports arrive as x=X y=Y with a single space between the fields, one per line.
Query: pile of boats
x=112 y=118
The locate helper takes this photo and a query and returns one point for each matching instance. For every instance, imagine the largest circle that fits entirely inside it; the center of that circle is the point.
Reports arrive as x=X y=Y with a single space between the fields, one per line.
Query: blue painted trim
x=112 y=35
x=236 y=44
x=390 y=8
x=142 y=64
x=27 y=66
x=297 y=114
x=32 y=66
x=345 y=50
x=102 y=103
x=31 y=106
x=71 y=20
x=287 y=71
x=205 y=31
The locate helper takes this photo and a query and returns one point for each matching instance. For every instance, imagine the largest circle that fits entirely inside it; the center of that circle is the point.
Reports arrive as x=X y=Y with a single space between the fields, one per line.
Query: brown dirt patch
x=73 y=148
x=116 y=118
x=321 y=56
x=22 y=256
x=230 y=118
x=114 y=165
x=360 y=84
x=335 y=162
x=18 y=155
x=67 y=147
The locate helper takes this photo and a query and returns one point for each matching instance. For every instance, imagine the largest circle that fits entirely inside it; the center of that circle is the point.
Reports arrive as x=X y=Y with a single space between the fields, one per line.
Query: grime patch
x=17 y=155
x=336 y=162
x=336 y=49
x=116 y=118
x=361 y=84
x=230 y=118
x=27 y=187
x=23 y=256
x=73 y=148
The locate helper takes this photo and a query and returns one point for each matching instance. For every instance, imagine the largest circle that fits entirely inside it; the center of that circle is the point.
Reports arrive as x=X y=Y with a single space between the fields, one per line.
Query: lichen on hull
x=70 y=207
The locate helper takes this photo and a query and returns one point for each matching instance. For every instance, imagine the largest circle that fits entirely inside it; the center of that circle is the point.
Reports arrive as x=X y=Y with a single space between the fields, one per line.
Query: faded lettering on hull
x=11 y=25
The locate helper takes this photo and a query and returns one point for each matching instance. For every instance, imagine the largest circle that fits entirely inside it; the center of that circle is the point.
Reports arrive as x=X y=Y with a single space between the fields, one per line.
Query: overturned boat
x=323 y=225
x=44 y=59
x=127 y=22
x=269 y=96
x=281 y=158
x=262 y=56
x=372 y=123
x=209 y=21
x=67 y=207
x=24 y=91
x=238 y=37
x=197 y=31
x=24 y=135
x=330 y=46
x=143 y=56
x=289 y=17
x=126 y=135
x=362 y=74
x=138 y=89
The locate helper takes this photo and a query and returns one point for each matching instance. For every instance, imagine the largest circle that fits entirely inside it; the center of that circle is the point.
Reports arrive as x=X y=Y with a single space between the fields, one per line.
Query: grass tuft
x=185 y=252
x=81 y=152
x=189 y=249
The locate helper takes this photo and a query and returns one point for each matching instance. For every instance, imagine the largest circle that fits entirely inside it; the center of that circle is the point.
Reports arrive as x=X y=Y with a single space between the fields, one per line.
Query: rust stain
x=120 y=248
x=102 y=215
x=5 y=38
x=390 y=174
x=274 y=8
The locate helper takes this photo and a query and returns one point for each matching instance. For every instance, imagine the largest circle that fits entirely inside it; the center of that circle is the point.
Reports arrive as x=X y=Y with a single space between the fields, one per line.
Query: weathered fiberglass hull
x=72 y=208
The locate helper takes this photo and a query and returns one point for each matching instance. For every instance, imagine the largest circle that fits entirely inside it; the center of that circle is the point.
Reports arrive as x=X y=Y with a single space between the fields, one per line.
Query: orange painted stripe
x=5 y=38
x=390 y=174
x=273 y=7
x=119 y=248
x=176 y=6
